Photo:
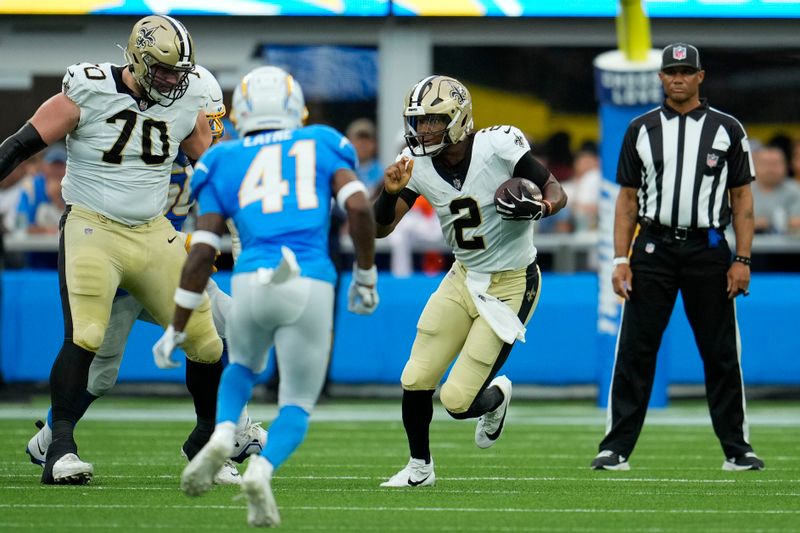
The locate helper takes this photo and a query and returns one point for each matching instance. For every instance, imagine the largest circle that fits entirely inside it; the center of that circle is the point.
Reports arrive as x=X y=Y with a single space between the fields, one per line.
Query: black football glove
x=522 y=207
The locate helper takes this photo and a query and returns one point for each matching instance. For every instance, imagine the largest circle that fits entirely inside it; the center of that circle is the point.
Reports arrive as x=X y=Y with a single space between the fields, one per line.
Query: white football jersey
x=121 y=152
x=481 y=240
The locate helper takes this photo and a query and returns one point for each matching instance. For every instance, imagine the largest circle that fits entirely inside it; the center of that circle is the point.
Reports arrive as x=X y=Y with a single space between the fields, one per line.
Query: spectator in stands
x=776 y=199
x=10 y=191
x=419 y=228
x=560 y=222
x=364 y=136
x=795 y=161
x=40 y=204
x=586 y=188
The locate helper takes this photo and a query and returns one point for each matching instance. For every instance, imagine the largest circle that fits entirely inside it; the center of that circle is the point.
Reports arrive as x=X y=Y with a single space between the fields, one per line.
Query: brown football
x=515 y=186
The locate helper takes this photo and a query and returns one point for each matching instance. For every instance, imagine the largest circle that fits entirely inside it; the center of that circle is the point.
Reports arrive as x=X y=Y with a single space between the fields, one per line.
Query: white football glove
x=362 y=296
x=163 y=348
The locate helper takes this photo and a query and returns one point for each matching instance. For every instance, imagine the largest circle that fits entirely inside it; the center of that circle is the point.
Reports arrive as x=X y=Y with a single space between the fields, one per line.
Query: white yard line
x=528 y=414
x=349 y=508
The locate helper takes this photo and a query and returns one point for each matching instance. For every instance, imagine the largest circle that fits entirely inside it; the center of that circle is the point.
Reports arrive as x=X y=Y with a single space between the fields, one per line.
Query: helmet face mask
x=438 y=113
x=425 y=134
x=160 y=56
x=268 y=98
x=214 y=107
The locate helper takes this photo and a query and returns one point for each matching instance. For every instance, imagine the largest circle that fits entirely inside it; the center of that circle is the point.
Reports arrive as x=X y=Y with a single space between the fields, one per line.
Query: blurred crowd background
x=544 y=84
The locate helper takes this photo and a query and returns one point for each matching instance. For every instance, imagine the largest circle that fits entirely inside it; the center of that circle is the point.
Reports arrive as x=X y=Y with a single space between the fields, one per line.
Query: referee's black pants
x=661 y=266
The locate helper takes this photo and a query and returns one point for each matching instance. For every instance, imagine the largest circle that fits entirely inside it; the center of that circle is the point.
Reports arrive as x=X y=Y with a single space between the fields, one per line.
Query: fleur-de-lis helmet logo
x=146 y=37
x=458 y=93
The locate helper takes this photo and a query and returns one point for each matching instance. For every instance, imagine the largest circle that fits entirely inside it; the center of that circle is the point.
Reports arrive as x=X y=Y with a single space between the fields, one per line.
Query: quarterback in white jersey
x=124 y=126
x=481 y=240
x=483 y=303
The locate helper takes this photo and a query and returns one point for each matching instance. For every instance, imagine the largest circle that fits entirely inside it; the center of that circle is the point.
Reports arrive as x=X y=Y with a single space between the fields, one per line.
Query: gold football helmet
x=438 y=113
x=160 y=55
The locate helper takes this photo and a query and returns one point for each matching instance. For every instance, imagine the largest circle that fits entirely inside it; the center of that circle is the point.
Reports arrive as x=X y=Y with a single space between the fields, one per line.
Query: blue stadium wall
x=561 y=347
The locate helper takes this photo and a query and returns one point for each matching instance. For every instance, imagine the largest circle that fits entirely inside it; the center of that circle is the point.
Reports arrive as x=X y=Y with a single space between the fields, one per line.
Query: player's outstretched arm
x=199 y=140
x=52 y=121
x=189 y=294
x=352 y=197
x=351 y=194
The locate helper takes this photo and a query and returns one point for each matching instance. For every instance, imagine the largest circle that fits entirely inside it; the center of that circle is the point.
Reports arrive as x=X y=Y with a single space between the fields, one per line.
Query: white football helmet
x=268 y=98
x=214 y=107
x=437 y=108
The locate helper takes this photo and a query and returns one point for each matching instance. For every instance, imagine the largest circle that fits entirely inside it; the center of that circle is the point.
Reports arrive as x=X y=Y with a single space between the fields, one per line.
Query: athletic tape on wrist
x=620 y=261
x=207 y=237
x=187 y=299
x=367 y=276
x=349 y=189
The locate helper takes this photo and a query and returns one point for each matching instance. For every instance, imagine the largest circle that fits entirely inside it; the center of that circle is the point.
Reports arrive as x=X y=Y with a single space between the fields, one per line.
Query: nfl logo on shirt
x=711 y=160
x=679 y=52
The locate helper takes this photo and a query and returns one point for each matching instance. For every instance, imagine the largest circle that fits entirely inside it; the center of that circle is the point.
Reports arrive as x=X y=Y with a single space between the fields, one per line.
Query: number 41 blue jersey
x=276 y=186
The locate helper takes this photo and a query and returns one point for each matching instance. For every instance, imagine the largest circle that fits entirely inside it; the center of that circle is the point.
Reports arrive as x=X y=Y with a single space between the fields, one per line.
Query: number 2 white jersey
x=121 y=152
x=481 y=240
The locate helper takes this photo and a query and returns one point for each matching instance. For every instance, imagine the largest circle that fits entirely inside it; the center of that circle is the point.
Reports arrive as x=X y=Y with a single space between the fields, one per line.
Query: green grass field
x=536 y=478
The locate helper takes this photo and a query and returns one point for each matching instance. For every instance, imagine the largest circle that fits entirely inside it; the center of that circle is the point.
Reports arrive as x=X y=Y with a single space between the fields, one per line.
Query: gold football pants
x=451 y=328
x=99 y=255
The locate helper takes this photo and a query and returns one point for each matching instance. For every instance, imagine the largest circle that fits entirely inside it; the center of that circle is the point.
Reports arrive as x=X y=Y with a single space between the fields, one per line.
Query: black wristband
x=19 y=147
x=384 y=207
x=742 y=259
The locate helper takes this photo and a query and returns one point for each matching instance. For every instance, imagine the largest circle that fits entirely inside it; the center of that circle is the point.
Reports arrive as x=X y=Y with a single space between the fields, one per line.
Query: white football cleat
x=228 y=474
x=212 y=460
x=37 y=446
x=69 y=469
x=490 y=425
x=262 y=509
x=417 y=473
x=250 y=441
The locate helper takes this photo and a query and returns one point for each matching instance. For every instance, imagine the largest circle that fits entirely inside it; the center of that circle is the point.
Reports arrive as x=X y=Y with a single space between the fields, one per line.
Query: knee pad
x=88 y=335
x=415 y=377
x=102 y=381
x=205 y=350
x=454 y=398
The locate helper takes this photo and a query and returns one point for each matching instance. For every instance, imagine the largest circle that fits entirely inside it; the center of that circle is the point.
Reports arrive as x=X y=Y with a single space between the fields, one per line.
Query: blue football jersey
x=181 y=194
x=276 y=186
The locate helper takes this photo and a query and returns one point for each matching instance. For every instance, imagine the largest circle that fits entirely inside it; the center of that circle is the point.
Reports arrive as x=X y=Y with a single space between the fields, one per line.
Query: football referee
x=685 y=170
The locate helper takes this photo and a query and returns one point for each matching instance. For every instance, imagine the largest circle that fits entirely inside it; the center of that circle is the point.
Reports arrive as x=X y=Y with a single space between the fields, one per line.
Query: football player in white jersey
x=124 y=126
x=482 y=304
x=126 y=310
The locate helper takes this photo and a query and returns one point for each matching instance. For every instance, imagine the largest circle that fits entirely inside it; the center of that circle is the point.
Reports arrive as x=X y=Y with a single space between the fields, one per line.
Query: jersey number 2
x=114 y=155
x=264 y=179
x=471 y=220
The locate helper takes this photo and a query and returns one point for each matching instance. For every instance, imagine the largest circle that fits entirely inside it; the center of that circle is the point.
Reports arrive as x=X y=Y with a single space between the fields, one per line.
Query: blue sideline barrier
x=561 y=347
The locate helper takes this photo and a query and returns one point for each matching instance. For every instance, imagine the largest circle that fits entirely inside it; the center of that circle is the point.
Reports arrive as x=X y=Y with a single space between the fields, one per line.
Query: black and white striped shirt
x=684 y=164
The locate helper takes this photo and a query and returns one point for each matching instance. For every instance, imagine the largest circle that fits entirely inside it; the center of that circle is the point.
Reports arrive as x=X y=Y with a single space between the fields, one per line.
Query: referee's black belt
x=678 y=233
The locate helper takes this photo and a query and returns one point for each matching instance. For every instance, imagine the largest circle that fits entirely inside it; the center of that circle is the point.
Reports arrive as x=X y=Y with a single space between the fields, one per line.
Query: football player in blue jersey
x=126 y=310
x=276 y=183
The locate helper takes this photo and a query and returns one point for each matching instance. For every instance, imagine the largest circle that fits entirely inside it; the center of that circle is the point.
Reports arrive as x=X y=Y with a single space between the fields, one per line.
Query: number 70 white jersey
x=481 y=240
x=120 y=154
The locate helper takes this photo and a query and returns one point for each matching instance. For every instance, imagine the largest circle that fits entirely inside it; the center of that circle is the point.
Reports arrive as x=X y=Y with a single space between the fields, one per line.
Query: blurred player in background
x=125 y=310
x=276 y=184
x=481 y=306
x=124 y=126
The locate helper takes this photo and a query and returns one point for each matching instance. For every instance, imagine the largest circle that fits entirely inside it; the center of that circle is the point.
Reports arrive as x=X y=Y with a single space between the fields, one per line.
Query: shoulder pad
x=82 y=79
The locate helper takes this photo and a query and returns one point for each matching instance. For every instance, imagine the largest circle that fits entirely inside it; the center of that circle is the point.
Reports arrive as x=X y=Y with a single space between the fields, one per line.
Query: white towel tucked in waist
x=287 y=270
x=502 y=319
